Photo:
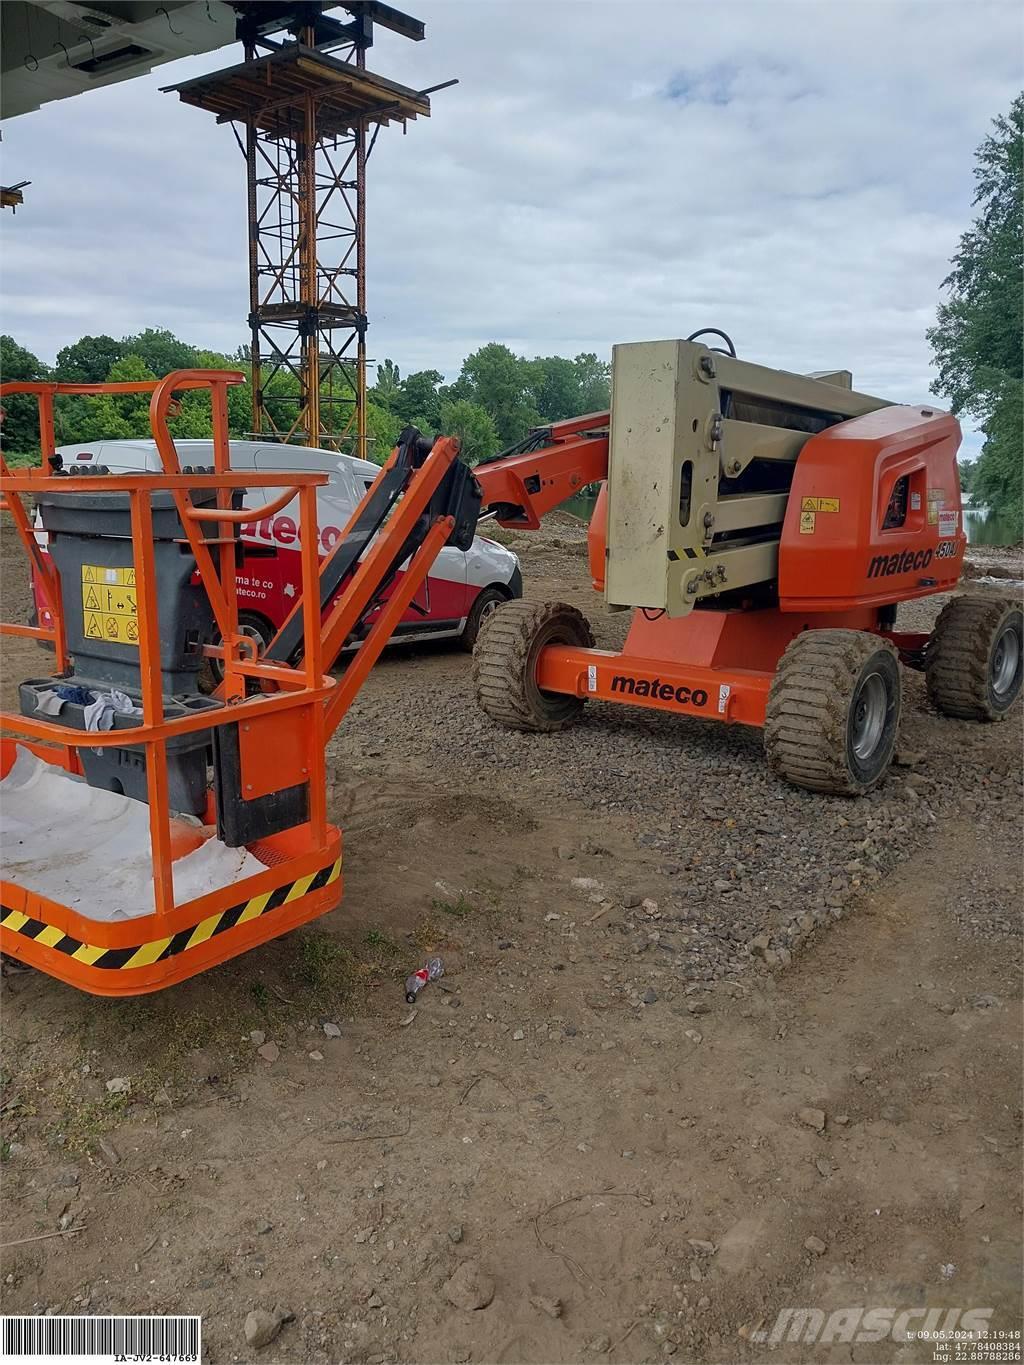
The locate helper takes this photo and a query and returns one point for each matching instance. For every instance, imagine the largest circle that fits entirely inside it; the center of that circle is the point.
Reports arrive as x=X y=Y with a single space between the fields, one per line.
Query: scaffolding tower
x=306 y=114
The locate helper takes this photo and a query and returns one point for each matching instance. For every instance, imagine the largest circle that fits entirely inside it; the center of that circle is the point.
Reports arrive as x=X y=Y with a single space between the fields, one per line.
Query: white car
x=463 y=587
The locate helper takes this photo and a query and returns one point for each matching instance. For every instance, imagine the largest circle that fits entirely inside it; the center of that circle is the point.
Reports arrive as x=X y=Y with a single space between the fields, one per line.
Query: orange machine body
x=874 y=514
x=873 y=518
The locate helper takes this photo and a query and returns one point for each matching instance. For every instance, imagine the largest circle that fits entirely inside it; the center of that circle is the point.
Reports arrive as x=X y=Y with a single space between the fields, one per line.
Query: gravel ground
x=735 y=850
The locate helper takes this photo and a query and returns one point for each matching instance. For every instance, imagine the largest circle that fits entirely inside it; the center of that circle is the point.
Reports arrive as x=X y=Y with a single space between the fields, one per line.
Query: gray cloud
x=797 y=173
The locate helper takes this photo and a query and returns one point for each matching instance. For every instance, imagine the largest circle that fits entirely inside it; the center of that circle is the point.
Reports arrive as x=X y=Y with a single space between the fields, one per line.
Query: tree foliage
x=474 y=427
x=967 y=468
x=88 y=360
x=161 y=351
x=20 y=429
x=491 y=403
x=117 y=417
x=494 y=400
x=419 y=401
x=498 y=381
x=978 y=337
x=386 y=391
x=382 y=428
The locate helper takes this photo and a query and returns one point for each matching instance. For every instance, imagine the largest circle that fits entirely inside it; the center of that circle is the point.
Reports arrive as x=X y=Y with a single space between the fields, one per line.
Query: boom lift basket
x=275 y=740
x=266 y=728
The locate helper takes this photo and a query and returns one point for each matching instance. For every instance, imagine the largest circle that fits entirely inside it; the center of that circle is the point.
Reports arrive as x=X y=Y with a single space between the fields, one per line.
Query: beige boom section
x=696 y=498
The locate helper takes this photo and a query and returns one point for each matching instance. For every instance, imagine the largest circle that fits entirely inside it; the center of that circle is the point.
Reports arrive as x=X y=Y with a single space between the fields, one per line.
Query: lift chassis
x=763 y=528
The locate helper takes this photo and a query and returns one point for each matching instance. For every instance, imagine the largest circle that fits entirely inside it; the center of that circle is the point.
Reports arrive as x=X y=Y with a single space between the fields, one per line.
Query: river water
x=985 y=527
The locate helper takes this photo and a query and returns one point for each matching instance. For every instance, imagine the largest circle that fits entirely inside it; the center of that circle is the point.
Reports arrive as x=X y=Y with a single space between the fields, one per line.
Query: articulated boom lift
x=763 y=528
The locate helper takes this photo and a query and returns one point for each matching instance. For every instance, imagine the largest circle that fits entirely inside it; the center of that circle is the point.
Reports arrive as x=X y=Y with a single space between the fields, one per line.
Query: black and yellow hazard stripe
x=160 y=949
x=689 y=553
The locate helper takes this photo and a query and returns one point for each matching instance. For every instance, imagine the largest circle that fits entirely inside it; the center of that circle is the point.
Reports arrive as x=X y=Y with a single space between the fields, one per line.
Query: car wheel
x=485 y=604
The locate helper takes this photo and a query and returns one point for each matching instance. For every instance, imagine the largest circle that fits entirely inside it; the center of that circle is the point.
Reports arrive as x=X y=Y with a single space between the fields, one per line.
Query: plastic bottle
x=416 y=982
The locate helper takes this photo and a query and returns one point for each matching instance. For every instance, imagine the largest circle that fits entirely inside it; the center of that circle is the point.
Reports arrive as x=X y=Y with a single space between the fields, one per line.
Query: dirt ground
x=649 y=1131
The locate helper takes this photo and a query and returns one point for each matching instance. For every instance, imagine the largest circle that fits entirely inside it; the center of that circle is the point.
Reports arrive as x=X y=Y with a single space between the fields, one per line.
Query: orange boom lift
x=763 y=528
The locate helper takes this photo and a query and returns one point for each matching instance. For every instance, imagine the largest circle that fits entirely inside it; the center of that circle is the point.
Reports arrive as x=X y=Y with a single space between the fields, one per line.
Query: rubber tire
x=958 y=657
x=809 y=719
x=486 y=597
x=505 y=664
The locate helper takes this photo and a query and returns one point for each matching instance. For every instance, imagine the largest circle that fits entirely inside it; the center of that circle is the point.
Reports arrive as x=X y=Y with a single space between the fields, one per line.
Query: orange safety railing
x=282 y=730
x=293 y=705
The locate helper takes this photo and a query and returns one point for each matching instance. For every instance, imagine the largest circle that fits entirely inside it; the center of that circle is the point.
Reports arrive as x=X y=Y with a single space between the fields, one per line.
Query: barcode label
x=131 y=1339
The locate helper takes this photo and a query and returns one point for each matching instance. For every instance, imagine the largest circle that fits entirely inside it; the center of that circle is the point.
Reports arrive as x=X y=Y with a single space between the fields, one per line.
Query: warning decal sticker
x=109 y=607
x=807 y=521
x=936 y=502
x=819 y=504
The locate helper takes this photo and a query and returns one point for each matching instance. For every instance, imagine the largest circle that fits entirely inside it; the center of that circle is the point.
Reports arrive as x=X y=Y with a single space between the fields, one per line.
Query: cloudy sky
x=797 y=173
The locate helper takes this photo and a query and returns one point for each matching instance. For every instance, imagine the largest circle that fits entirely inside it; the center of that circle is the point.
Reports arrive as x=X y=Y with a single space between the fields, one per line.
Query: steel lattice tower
x=306 y=114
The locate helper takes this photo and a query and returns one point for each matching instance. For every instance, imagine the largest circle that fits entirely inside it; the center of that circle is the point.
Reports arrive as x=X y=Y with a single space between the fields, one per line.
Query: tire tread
x=806 y=718
x=957 y=657
x=501 y=664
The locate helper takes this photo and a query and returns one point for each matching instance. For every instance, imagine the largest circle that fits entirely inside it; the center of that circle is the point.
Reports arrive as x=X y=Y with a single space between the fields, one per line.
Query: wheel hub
x=1005 y=662
x=869 y=711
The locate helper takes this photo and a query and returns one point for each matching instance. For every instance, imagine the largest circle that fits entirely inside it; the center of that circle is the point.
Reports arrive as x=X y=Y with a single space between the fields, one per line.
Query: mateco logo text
x=642 y=687
x=884 y=566
x=284 y=530
x=812 y=1327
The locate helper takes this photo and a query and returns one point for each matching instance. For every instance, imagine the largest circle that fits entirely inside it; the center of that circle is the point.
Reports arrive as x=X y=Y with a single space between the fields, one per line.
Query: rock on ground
x=470 y=1287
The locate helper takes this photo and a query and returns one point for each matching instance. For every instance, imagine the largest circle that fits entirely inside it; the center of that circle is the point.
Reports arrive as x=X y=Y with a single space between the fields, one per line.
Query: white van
x=462 y=589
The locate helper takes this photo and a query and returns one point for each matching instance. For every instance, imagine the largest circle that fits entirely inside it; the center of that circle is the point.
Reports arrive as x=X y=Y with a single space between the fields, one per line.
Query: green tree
x=386 y=391
x=473 y=426
x=977 y=337
x=85 y=361
x=499 y=381
x=88 y=360
x=418 y=399
x=160 y=350
x=595 y=379
x=20 y=430
x=554 y=387
x=997 y=476
x=382 y=428
x=239 y=395
x=117 y=417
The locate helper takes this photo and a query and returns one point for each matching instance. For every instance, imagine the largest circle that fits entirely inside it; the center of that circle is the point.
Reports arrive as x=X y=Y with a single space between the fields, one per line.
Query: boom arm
x=520 y=486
